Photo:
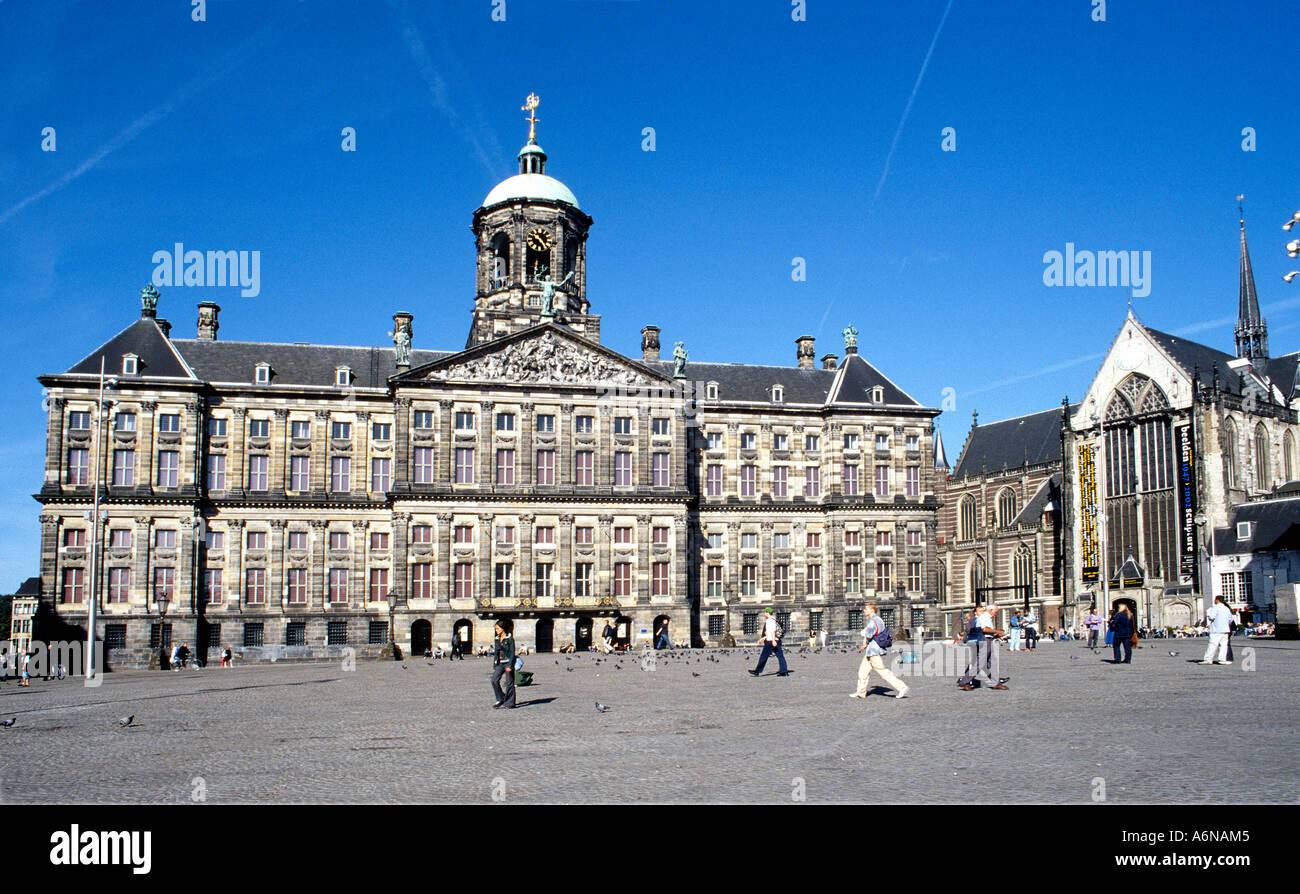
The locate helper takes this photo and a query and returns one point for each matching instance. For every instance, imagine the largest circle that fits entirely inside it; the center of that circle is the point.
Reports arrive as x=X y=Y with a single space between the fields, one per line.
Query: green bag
x=523 y=678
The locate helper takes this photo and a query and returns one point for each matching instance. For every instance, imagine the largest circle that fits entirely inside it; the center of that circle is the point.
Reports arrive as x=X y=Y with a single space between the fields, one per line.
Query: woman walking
x=503 y=664
x=1122 y=629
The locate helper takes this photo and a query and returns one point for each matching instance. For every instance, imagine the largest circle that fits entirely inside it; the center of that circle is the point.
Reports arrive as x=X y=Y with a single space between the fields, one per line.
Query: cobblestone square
x=692 y=727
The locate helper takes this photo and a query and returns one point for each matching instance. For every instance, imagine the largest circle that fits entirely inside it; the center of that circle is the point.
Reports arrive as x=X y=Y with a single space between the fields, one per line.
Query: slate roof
x=1201 y=359
x=144 y=339
x=1275 y=525
x=1008 y=444
x=295 y=364
x=1048 y=492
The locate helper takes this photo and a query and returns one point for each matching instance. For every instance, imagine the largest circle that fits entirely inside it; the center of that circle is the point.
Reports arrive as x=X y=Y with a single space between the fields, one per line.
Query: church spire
x=1251 y=330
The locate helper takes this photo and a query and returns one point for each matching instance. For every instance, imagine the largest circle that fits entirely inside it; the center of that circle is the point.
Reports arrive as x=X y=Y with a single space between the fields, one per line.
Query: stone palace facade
x=297 y=500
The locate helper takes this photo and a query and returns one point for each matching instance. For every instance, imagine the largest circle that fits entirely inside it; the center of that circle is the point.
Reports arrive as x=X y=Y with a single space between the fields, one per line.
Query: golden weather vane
x=530 y=106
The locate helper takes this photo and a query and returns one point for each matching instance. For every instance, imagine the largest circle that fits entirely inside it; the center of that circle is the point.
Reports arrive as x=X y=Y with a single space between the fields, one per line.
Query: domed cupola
x=531 y=236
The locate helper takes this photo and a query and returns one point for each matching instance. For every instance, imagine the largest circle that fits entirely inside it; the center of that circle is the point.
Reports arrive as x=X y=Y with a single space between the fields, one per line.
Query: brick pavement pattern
x=1155 y=731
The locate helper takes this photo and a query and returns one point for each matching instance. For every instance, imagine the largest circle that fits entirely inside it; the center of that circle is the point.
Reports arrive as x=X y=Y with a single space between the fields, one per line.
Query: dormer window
x=343 y=376
x=778 y=394
x=130 y=364
x=878 y=395
x=711 y=391
x=1243 y=530
x=262 y=376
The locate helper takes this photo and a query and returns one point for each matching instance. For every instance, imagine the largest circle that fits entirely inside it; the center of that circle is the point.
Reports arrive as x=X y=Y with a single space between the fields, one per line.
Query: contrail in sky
x=218 y=70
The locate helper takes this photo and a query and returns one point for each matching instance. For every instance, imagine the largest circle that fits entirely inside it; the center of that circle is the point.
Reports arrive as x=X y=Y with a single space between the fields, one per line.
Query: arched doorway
x=659 y=623
x=421 y=637
x=545 y=635
x=582 y=635
x=463 y=632
x=622 y=631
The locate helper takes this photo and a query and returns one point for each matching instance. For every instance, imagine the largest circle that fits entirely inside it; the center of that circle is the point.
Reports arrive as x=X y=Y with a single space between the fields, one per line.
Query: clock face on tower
x=539 y=240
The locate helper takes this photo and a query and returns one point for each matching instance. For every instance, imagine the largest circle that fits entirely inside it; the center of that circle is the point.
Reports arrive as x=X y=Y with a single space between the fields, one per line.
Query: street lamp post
x=1103 y=559
x=161 y=600
x=392 y=630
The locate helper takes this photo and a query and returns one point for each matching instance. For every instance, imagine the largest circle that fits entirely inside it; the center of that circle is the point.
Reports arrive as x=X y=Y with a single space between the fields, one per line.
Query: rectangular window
x=748 y=479
x=812 y=443
x=584 y=535
x=852 y=577
x=120 y=538
x=259 y=472
x=164 y=538
x=852 y=537
x=421 y=420
x=339 y=539
x=748 y=440
x=584 y=463
x=623 y=535
x=545 y=424
x=216 y=428
x=545 y=534
x=505 y=421
x=114 y=636
x=295 y=633
x=883 y=576
x=717 y=624
x=464 y=533
x=660 y=535
x=780 y=580
x=622 y=425
x=715 y=580
x=382 y=431
x=850 y=481
x=582 y=578
x=781 y=540
x=74 y=585
x=659 y=469
x=884 y=538
x=715 y=541
x=542 y=580
x=583 y=424
x=855 y=618
x=338 y=588
x=381 y=477
x=421 y=465
x=341 y=431
x=169 y=423
x=506 y=467
x=379 y=540
x=713 y=481
x=748 y=580
x=882 y=441
x=464 y=421
x=79 y=421
x=779 y=481
x=124 y=468
x=914 y=577
x=119 y=584
x=814 y=540
x=160 y=636
x=75 y=537
x=297 y=540
x=256 y=540
x=914 y=537
x=882 y=481
x=913 y=443
x=749 y=541
x=378 y=633
x=715 y=440
x=814 y=580
x=659 y=578
x=300 y=473
x=422 y=581
x=78 y=466
x=850 y=441
x=252 y=634
x=505 y=535
x=216 y=471
x=421 y=534
x=169 y=468
x=812 y=482
x=300 y=429
x=124 y=422
x=341 y=474
x=164 y=584
x=1227 y=580
x=622 y=469
x=659 y=426
x=780 y=442
x=913 y=481
x=546 y=467
x=464 y=465
x=463 y=579
x=622 y=579
x=336 y=633
x=212 y=581
x=297 y=586
x=259 y=428
x=749 y=623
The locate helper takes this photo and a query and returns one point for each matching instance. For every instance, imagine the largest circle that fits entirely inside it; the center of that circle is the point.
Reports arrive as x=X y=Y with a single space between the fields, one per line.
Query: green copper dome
x=532 y=181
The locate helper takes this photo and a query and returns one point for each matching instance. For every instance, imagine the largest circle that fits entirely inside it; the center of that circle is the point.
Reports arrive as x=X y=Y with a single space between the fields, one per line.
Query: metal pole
x=92 y=591
x=1103 y=518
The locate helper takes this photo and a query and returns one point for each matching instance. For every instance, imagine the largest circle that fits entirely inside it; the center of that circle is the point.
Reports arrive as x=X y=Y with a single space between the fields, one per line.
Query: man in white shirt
x=984 y=651
x=771 y=640
x=1220 y=620
x=873 y=660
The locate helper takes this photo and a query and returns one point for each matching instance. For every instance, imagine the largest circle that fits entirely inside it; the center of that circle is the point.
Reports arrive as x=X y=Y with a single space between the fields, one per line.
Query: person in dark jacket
x=503 y=664
x=1122 y=628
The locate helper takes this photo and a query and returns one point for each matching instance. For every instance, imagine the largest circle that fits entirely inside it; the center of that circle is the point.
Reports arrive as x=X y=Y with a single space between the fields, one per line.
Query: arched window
x=941 y=582
x=571 y=256
x=1288 y=456
x=500 y=260
x=976 y=579
x=1006 y=507
x=966 y=522
x=1230 y=453
x=1022 y=571
x=1262 y=476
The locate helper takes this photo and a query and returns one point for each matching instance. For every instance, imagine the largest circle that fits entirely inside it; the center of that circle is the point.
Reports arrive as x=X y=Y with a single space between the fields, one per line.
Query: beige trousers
x=876 y=663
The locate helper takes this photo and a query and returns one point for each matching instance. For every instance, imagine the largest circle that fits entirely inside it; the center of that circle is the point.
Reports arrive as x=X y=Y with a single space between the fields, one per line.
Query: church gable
x=1138 y=376
x=542 y=356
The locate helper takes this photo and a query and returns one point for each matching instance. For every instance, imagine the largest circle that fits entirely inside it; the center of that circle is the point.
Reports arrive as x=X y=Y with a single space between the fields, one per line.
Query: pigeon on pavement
x=126 y=721
x=10 y=722
x=601 y=709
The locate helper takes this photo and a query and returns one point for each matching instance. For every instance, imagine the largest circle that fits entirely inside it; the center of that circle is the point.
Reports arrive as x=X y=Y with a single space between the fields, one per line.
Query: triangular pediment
x=540 y=355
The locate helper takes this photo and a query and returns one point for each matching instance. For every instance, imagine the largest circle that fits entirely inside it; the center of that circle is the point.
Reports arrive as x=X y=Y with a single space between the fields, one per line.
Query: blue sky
x=772 y=138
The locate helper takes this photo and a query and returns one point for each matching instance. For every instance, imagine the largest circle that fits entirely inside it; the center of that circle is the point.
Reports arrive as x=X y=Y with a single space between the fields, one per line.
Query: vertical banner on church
x=1089 y=550
x=1187 y=564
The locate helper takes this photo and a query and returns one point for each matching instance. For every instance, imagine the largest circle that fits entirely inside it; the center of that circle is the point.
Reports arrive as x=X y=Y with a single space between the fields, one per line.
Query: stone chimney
x=402 y=334
x=165 y=327
x=829 y=361
x=208 y=324
x=804 y=355
x=650 y=343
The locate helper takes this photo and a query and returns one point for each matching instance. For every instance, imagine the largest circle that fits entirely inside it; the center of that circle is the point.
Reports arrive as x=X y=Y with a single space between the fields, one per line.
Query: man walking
x=1029 y=626
x=663 y=642
x=503 y=663
x=984 y=652
x=771 y=640
x=873 y=660
x=1015 y=626
x=1093 y=623
x=1219 y=617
